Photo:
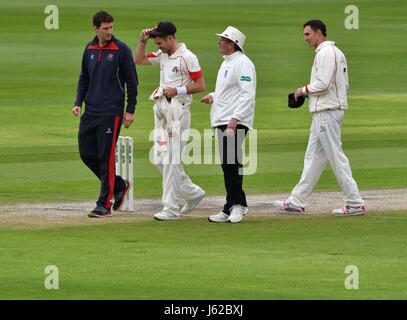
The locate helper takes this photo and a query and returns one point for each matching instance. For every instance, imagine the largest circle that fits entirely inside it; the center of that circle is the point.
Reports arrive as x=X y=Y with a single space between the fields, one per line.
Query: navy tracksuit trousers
x=97 y=139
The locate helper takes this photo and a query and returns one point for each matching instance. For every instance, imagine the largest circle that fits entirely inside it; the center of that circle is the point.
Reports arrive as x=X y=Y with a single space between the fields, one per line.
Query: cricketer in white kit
x=180 y=77
x=327 y=99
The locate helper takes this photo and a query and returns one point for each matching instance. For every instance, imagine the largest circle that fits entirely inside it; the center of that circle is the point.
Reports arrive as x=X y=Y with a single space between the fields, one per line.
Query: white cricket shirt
x=177 y=70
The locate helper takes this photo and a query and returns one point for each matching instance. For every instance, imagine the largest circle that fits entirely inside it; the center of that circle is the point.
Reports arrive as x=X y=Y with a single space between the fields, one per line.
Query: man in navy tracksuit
x=107 y=65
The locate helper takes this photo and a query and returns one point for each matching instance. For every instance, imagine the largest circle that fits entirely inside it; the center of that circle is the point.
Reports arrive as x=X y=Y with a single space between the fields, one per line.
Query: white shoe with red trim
x=350 y=211
x=288 y=207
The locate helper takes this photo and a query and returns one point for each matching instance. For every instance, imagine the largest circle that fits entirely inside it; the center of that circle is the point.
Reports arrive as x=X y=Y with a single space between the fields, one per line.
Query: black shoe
x=100 y=212
x=121 y=196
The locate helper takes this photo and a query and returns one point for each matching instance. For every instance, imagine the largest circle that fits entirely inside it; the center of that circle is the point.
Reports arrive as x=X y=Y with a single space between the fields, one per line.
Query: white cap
x=234 y=35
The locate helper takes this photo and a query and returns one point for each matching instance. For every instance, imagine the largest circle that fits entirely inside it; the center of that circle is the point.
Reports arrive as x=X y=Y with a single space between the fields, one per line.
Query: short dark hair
x=237 y=48
x=101 y=16
x=164 y=29
x=316 y=25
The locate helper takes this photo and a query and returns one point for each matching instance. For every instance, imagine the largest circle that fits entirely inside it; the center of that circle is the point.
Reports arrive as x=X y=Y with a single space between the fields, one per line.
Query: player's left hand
x=128 y=119
x=170 y=92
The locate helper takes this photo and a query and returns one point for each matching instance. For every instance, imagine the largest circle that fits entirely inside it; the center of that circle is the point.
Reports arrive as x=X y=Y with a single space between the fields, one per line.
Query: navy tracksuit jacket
x=106 y=72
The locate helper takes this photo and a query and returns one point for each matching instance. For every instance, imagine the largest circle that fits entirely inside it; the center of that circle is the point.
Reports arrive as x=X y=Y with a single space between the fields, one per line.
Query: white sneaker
x=192 y=204
x=349 y=211
x=288 y=207
x=236 y=213
x=220 y=217
x=166 y=215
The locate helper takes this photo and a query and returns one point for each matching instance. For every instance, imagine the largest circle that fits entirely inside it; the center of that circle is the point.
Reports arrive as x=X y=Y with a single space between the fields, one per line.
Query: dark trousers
x=97 y=139
x=230 y=149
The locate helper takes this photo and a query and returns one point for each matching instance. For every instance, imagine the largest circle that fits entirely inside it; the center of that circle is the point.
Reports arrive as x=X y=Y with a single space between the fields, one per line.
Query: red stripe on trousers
x=112 y=171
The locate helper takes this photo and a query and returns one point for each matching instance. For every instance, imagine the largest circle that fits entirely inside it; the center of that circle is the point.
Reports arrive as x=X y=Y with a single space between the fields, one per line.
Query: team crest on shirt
x=110 y=56
x=175 y=69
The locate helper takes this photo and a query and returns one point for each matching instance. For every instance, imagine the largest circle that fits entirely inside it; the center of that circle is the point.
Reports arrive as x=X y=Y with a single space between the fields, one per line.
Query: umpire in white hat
x=232 y=114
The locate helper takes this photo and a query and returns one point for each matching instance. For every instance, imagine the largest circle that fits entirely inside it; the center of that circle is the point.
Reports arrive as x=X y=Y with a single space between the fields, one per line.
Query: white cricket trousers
x=325 y=145
x=175 y=183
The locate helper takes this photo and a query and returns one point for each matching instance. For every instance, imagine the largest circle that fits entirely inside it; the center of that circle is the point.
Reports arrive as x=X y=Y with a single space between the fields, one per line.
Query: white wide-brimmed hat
x=234 y=35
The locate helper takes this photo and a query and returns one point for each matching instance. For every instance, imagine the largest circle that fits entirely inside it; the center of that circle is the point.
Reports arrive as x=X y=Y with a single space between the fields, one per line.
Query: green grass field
x=270 y=258
x=263 y=258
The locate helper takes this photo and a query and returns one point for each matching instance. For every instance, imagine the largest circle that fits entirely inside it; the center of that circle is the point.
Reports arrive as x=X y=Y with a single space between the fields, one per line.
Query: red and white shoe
x=288 y=207
x=349 y=211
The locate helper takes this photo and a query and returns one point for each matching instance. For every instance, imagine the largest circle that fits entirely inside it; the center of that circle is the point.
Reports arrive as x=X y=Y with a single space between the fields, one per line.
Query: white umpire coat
x=235 y=91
